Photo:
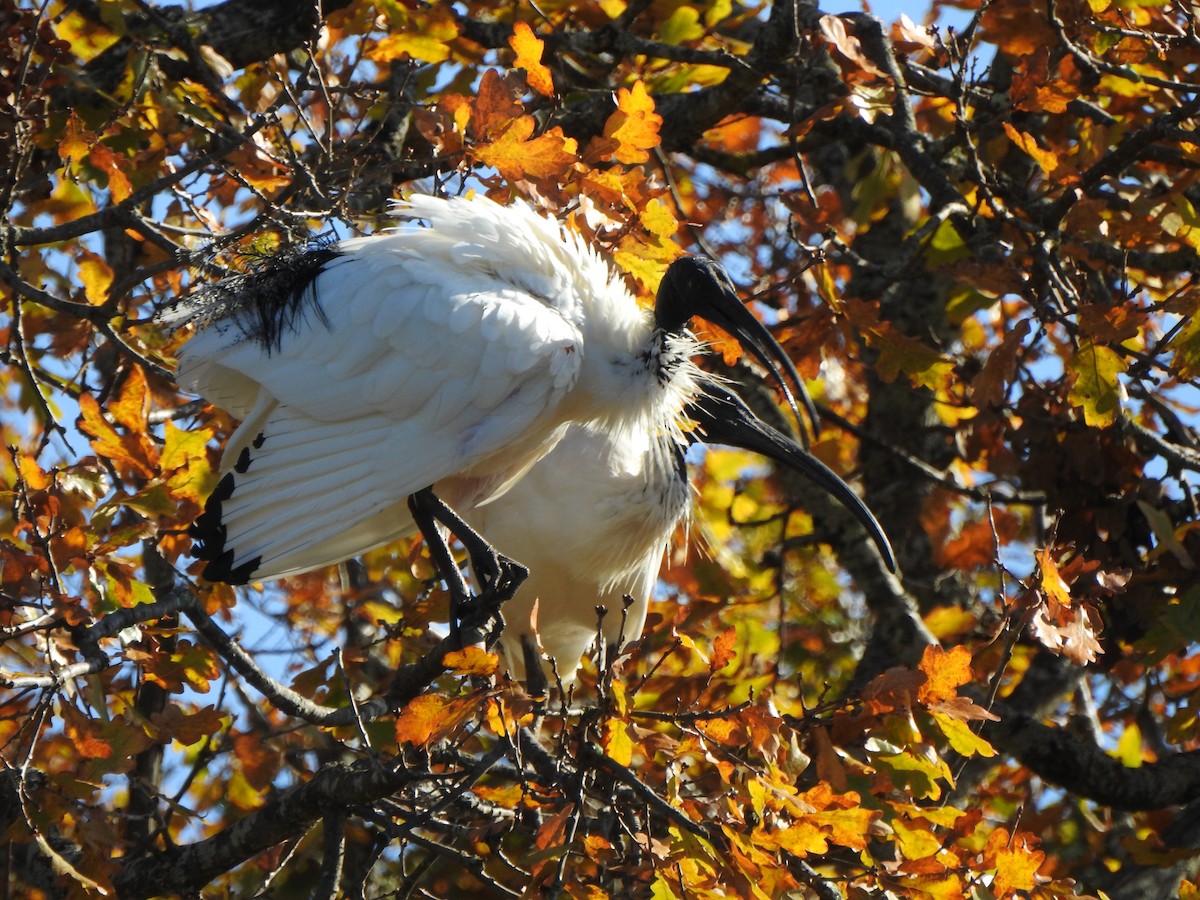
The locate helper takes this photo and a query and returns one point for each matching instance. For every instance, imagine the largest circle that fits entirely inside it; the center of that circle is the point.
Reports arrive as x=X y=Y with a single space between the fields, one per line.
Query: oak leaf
x=945 y=671
x=517 y=155
x=529 y=51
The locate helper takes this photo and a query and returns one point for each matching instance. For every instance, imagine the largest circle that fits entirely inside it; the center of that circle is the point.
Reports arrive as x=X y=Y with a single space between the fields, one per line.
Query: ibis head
x=698 y=286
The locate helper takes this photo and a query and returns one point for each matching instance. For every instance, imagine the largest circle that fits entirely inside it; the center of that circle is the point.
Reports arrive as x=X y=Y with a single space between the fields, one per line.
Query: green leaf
x=1178 y=625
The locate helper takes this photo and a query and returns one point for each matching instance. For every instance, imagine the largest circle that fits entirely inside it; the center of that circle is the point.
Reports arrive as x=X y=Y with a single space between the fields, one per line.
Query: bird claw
x=498 y=576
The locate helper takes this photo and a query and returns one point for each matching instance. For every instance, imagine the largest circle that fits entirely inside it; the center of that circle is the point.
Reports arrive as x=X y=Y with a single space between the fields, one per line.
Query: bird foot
x=473 y=617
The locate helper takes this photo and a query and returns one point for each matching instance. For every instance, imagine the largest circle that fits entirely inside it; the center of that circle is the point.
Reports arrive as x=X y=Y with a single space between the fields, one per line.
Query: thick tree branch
x=186 y=869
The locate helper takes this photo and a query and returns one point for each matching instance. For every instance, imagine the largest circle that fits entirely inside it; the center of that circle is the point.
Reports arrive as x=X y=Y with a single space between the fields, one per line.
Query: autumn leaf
x=495 y=107
x=961 y=738
x=31 y=474
x=184 y=462
x=529 y=57
x=945 y=672
x=431 y=717
x=134 y=450
x=1069 y=630
x=471 y=661
x=630 y=131
x=95 y=276
x=617 y=743
x=1044 y=158
x=833 y=29
x=114 y=169
x=915 y=839
x=427 y=37
x=1097 y=390
x=517 y=156
x=1016 y=861
x=898 y=353
x=723 y=653
x=86 y=734
x=990 y=386
x=188 y=728
x=1052 y=582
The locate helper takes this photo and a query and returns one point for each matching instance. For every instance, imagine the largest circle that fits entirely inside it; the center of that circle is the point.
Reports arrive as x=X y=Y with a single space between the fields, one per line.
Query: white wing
x=398 y=372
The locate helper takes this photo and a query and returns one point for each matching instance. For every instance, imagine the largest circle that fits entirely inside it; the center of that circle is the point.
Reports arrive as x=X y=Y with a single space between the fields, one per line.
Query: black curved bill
x=726 y=419
x=698 y=286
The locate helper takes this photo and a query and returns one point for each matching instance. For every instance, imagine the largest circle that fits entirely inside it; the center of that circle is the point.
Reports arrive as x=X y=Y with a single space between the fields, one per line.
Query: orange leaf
x=86 y=734
x=33 y=476
x=1016 y=861
x=1044 y=158
x=517 y=156
x=631 y=130
x=529 y=57
x=945 y=671
x=113 y=167
x=430 y=717
x=723 y=652
x=471 y=661
x=495 y=107
x=108 y=443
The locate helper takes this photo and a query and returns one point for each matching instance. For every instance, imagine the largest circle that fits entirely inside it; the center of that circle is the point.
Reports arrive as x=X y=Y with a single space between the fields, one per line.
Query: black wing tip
x=209 y=534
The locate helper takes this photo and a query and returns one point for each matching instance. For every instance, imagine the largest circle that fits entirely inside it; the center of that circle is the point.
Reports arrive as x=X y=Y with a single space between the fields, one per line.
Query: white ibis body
x=452 y=355
x=593 y=519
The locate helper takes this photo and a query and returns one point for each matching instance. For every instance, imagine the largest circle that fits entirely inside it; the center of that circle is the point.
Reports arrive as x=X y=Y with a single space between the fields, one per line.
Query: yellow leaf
x=1129 y=747
x=1053 y=585
x=96 y=276
x=682 y=26
x=529 y=57
x=848 y=827
x=621 y=698
x=86 y=38
x=184 y=462
x=240 y=793
x=801 y=839
x=915 y=840
x=508 y=795
x=1016 y=861
x=427 y=37
x=960 y=736
x=645 y=260
x=616 y=741
x=1097 y=390
x=658 y=219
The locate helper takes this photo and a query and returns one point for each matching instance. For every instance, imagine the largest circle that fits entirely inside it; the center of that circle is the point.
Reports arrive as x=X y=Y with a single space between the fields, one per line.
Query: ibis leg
x=498 y=576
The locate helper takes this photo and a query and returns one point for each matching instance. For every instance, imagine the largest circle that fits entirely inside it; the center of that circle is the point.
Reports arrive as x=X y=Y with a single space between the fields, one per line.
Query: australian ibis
x=451 y=352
